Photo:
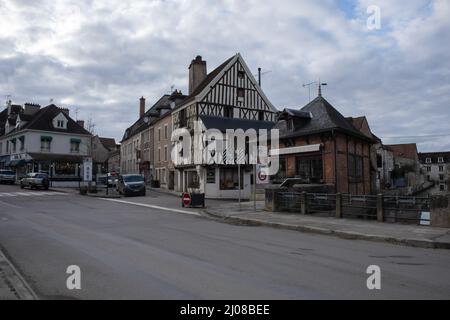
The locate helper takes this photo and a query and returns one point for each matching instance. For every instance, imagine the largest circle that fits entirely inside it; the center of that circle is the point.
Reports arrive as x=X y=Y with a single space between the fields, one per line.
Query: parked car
x=131 y=184
x=35 y=181
x=7 y=176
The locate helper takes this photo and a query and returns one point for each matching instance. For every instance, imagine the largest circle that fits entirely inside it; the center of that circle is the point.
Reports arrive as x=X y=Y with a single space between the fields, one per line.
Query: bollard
x=380 y=209
x=303 y=203
x=339 y=213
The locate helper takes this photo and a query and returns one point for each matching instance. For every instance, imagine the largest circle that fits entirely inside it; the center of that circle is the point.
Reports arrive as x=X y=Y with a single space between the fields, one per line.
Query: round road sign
x=186 y=199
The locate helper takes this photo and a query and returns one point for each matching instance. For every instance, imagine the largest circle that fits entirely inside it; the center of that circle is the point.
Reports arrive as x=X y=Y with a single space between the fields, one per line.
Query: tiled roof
x=408 y=151
x=324 y=118
x=108 y=143
x=43 y=121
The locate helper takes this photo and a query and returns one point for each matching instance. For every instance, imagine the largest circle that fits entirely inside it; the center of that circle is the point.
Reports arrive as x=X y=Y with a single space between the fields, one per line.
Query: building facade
x=45 y=140
x=227 y=98
x=319 y=146
x=435 y=167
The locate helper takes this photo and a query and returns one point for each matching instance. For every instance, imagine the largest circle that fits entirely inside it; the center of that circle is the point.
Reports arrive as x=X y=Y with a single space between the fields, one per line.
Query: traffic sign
x=186 y=199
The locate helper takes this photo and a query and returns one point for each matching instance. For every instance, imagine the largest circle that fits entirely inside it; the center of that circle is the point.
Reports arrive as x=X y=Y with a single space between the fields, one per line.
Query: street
x=158 y=250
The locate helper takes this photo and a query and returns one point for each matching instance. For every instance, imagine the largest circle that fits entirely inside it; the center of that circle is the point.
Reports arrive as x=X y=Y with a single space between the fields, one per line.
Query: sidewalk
x=12 y=285
x=409 y=235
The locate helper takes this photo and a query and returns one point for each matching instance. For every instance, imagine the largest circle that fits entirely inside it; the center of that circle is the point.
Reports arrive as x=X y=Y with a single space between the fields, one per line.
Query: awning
x=17 y=163
x=75 y=140
x=46 y=138
x=56 y=157
x=295 y=150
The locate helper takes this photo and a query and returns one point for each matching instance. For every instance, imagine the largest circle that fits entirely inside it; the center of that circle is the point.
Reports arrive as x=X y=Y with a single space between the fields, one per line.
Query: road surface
x=126 y=251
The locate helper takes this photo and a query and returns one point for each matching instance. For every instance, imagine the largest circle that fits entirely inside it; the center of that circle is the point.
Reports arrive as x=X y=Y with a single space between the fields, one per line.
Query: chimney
x=197 y=73
x=31 y=108
x=142 y=107
x=81 y=123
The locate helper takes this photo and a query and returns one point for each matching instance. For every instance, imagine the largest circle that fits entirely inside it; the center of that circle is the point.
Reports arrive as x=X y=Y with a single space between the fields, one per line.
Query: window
x=60 y=124
x=159 y=134
x=355 y=168
x=75 y=145
x=166 y=131
x=182 y=119
x=46 y=144
x=159 y=154
x=229 y=179
x=261 y=115
x=240 y=94
x=428 y=169
x=165 y=153
x=290 y=125
x=440 y=160
x=228 y=112
x=442 y=187
x=211 y=175
x=428 y=160
x=282 y=172
x=379 y=161
x=310 y=169
x=441 y=177
x=22 y=143
x=241 y=75
x=441 y=168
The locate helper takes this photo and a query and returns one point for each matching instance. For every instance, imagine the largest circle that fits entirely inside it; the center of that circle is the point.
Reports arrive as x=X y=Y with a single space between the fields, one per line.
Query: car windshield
x=133 y=179
x=7 y=172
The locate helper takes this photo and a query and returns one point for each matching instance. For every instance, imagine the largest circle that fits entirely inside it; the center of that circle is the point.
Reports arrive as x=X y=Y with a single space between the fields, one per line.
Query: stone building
x=436 y=168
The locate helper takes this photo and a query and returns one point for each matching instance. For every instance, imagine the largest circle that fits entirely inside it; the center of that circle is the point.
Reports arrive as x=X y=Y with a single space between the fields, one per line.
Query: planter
x=155 y=184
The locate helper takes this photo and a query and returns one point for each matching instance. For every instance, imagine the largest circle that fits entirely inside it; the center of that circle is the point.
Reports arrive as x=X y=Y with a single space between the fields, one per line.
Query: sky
x=99 y=57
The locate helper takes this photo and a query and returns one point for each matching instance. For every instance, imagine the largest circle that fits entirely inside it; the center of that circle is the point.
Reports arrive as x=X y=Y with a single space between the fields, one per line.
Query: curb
x=417 y=243
x=17 y=284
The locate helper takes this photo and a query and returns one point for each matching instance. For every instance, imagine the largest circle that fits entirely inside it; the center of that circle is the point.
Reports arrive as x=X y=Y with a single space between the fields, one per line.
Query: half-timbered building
x=229 y=97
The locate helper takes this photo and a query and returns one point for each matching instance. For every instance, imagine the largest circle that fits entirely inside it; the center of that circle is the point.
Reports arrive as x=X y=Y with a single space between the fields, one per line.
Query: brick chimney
x=197 y=73
x=142 y=107
x=31 y=108
x=81 y=123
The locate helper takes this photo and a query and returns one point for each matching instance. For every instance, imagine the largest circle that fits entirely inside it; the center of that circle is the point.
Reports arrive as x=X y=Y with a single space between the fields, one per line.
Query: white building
x=229 y=97
x=46 y=139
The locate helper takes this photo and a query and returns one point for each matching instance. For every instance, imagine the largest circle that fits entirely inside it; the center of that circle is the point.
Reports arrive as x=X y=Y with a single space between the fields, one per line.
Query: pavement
x=151 y=248
x=402 y=234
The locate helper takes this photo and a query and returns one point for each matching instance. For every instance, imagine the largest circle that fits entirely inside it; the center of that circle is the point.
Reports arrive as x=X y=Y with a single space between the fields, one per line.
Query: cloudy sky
x=100 y=56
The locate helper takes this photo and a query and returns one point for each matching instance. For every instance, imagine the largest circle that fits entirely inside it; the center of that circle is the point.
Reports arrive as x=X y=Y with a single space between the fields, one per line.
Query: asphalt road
x=127 y=251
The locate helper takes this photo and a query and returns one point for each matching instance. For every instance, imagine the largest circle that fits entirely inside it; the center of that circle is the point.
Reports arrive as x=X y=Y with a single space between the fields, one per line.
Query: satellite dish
x=146 y=120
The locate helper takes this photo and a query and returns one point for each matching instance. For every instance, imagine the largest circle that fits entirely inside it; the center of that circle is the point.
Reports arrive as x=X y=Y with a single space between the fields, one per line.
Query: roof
x=434 y=156
x=154 y=112
x=407 y=151
x=297 y=113
x=324 y=118
x=42 y=120
x=210 y=77
x=222 y=124
x=362 y=125
x=108 y=143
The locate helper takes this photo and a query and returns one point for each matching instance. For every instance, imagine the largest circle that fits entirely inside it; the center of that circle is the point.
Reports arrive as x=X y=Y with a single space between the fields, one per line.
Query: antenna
x=309 y=88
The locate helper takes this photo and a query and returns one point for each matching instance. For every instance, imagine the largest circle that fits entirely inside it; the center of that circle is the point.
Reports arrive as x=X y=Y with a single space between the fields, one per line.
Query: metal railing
x=394 y=209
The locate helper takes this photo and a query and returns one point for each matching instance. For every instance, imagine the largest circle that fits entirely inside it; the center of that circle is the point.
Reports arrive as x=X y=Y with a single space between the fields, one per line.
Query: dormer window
x=440 y=160
x=60 y=121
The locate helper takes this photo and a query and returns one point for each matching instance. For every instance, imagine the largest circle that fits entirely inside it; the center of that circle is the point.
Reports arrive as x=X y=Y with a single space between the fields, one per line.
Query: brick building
x=320 y=146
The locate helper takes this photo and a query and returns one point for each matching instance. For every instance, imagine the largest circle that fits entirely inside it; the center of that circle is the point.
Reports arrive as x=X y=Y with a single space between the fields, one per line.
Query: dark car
x=131 y=184
x=35 y=181
x=7 y=176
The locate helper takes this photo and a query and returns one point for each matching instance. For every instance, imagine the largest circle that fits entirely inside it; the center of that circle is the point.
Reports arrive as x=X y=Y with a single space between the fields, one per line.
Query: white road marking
x=31 y=194
x=10 y=205
x=153 y=207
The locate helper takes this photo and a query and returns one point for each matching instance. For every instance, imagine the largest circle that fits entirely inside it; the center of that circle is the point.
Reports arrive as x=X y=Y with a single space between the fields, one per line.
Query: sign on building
x=87 y=169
